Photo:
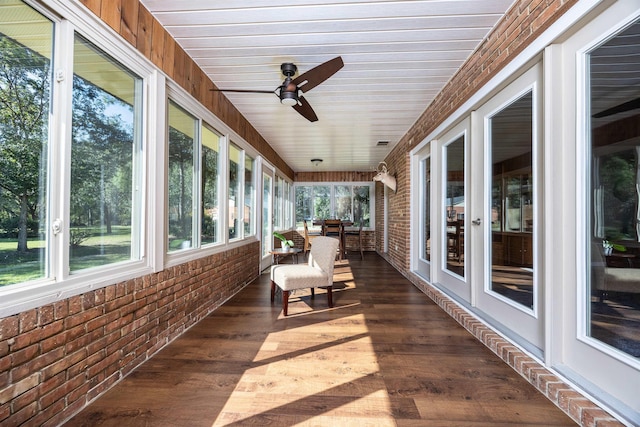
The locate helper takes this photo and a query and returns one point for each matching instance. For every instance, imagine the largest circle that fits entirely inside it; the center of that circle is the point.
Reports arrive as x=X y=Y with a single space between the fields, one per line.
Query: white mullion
x=61 y=161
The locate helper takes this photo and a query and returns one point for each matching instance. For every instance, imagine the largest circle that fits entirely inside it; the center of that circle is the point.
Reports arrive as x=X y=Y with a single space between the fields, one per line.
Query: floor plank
x=385 y=355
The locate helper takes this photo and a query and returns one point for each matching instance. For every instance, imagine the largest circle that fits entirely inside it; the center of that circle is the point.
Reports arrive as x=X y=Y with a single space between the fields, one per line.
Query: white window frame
x=68 y=20
x=332 y=185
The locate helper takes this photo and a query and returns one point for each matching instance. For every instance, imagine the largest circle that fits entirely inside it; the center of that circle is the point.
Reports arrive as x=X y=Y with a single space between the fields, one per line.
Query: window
x=282 y=204
x=87 y=190
x=194 y=181
x=278 y=204
x=426 y=209
x=210 y=212
x=350 y=202
x=613 y=300
x=288 y=205
x=26 y=47
x=512 y=196
x=106 y=133
x=248 y=214
x=182 y=139
x=454 y=204
x=234 y=190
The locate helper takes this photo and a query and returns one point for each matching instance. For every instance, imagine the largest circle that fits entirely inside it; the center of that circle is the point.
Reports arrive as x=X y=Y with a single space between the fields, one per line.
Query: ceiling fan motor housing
x=288 y=97
x=288 y=91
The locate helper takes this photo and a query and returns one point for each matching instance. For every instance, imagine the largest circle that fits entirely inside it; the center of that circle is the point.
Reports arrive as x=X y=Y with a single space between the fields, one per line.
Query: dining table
x=343 y=223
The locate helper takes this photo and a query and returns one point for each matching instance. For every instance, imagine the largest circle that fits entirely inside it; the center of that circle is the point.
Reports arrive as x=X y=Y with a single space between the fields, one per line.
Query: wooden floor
x=385 y=355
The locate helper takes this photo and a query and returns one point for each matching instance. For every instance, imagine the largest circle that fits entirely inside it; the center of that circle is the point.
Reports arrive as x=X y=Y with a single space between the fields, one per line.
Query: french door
x=504 y=227
x=423 y=211
x=599 y=338
x=451 y=221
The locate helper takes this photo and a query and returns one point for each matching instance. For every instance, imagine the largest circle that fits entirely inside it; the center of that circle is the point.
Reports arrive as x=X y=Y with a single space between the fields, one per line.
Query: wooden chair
x=308 y=237
x=333 y=228
x=358 y=234
x=318 y=272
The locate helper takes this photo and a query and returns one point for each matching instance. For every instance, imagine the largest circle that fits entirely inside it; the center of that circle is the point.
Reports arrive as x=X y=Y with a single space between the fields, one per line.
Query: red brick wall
x=522 y=24
x=56 y=358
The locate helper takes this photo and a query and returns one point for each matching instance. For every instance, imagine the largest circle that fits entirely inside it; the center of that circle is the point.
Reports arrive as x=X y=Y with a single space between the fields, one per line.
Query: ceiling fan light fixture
x=288 y=98
x=316 y=162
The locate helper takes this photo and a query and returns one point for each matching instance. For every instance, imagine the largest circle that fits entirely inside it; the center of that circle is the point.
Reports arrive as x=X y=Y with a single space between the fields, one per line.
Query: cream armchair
x=318 y=272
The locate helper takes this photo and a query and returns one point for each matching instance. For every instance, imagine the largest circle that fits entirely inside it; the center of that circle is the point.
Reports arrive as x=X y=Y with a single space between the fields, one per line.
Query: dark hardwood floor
x=385 y=355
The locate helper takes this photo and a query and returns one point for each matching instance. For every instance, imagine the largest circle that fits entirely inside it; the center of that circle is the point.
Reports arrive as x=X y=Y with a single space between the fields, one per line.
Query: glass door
x=451 y=245
x=599 y=305
x=425 y=203
x=510 y=294
x=267 y=216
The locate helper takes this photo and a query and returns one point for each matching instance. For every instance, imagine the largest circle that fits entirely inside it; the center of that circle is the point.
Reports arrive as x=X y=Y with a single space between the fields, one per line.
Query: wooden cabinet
x=518 y=249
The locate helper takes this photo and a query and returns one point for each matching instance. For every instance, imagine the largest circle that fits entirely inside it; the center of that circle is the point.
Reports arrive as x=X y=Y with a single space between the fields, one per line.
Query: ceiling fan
x=290 y=90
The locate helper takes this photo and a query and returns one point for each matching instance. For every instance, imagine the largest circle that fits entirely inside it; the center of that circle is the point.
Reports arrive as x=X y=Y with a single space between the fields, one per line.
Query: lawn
x=96 y=250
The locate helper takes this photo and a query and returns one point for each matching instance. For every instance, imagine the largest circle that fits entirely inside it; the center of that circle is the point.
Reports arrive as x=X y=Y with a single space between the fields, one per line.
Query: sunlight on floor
x=344 y=368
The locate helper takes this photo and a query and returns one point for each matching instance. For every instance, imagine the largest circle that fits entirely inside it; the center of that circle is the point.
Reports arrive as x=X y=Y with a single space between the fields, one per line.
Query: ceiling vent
x=382 y=143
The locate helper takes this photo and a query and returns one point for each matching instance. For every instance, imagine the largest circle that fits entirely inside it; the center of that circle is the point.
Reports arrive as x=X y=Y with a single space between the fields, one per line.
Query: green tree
x=180 y=182
x=101 y=158
x=24 y=107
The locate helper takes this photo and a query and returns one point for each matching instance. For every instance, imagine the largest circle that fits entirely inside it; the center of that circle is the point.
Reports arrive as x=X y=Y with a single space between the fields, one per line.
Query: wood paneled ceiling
x=397 y=55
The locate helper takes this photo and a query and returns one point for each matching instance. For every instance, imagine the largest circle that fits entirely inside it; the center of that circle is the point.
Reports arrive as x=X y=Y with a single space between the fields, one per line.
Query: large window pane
x=182 y=137
x=278 y=203
x=614 y=297
x=454 y=206
x=288 y=204
x=361 y=205
x=249 y=197
x=512 y=271
x=210 y=187
x=304 y=204
x=106 y=130
x=267 y=209
x=426 y=208
x=234 y=191
x=349 y=203
x=25 y=84
x=322 y=202
x=342 y=200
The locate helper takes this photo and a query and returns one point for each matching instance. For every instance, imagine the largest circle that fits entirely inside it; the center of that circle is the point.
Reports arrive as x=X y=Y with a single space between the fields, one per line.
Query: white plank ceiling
x=397 y=56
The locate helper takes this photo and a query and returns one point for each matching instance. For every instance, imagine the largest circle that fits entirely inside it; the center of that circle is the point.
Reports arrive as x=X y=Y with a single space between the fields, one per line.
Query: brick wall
x=56 y=358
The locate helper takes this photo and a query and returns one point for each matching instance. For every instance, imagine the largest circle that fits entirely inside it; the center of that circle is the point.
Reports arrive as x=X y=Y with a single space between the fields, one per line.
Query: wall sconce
x=385 y=177
x=316 y=162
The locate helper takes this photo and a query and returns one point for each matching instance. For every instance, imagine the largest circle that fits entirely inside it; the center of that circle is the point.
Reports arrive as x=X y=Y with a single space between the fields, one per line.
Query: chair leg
x=273 y=290
x=329 y=297
x=285 y=301
x=313 y=292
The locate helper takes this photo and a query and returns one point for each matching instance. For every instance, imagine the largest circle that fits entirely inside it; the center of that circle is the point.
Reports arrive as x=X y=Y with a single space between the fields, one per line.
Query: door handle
x=476 y=221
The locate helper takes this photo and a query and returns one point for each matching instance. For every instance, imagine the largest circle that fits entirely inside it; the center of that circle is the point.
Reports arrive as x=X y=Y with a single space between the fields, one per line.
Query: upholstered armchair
x=318 y=272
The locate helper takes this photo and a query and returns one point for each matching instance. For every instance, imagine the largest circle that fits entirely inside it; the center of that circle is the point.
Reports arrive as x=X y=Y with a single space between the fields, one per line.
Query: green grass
x=96 y=250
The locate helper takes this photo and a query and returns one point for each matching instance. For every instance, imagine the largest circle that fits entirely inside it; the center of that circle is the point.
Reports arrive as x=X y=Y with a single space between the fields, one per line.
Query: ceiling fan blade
x=305 y=110
x=243 y=90
x=626 y=106
x=318 y=74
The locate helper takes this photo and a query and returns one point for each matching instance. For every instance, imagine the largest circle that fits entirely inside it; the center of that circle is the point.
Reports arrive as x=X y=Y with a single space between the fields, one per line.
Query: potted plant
x=284 y=242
